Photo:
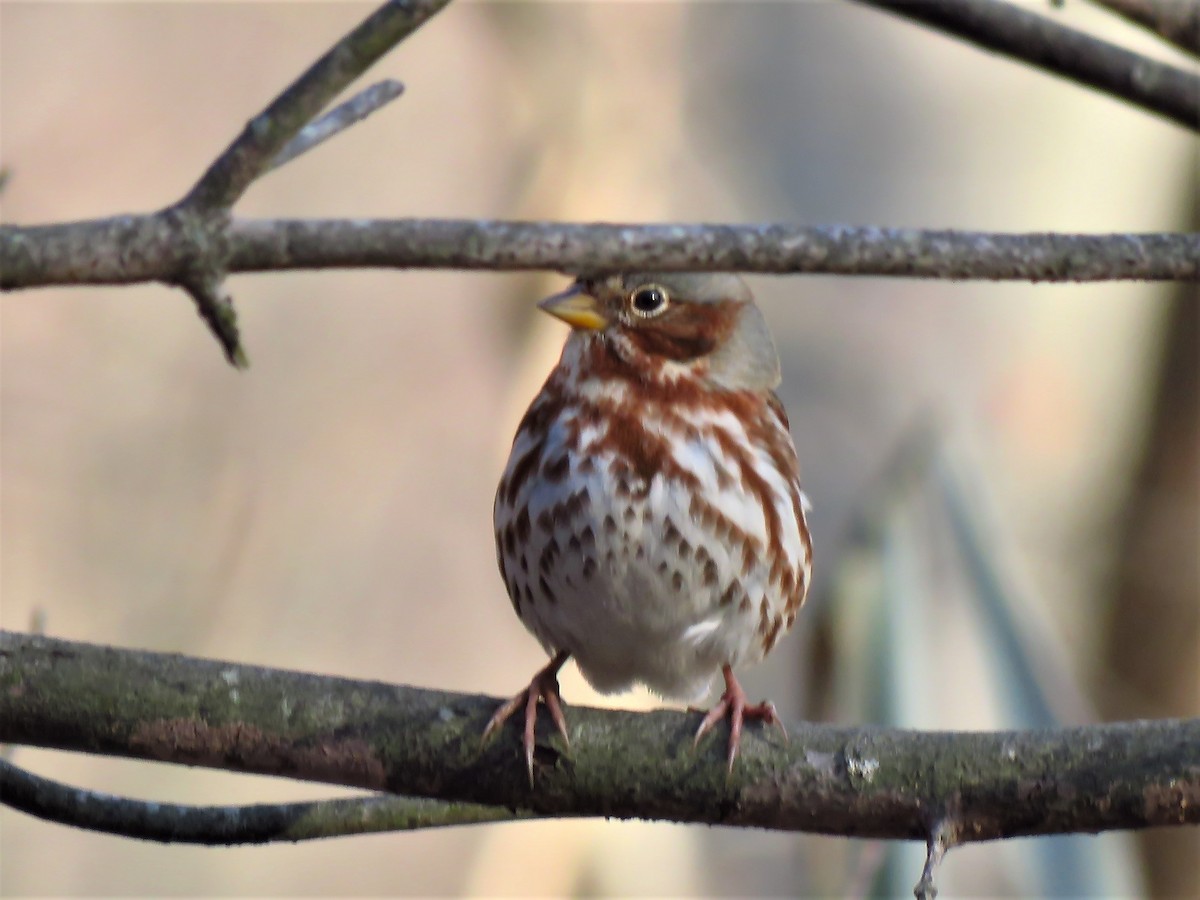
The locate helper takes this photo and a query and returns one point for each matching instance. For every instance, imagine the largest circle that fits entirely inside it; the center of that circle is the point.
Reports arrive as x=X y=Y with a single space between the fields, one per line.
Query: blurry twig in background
x=1177 y=21
x=1029 y=680
x=1030 y=38
x=885 y=606
x=1038 y=692
x=338 y=120
x=1147 y=663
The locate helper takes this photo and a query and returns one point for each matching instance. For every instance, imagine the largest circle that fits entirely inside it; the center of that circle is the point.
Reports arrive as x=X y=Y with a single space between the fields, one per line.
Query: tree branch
x=266 y=134
x=1007 y=29
x=1177 y=21
x=172 y=823
x=941 y=840
x=216 y=309
x=195 y=243
x=338 y=120
x=132 y=249
x=865 y=782
x=194 y=231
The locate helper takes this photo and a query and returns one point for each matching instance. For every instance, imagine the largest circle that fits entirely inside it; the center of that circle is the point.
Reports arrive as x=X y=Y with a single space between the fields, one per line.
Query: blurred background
x=1004 y=475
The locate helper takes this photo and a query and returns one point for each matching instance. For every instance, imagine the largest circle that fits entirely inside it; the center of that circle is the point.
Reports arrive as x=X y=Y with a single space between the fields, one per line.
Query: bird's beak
x=577 y=309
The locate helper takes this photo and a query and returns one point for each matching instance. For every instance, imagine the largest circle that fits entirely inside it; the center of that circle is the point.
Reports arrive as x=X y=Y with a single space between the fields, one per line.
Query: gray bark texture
x=862 y=782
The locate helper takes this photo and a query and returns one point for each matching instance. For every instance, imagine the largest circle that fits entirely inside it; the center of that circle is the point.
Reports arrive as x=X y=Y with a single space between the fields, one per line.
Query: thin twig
x=267 y=133
x=338 y=120
x=1177 y=21
x=266 y=823
x=1008 y=29
x=940 y=840
x=865 y=782
x=216 y=309
x=195 y=229
x=128 y=250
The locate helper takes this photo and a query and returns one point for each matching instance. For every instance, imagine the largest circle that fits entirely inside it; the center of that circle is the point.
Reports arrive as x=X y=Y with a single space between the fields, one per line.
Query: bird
x=650 y=523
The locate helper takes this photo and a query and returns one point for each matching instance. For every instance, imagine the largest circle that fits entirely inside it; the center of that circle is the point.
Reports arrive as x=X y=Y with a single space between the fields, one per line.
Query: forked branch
x=252 y=152
x=187 y=244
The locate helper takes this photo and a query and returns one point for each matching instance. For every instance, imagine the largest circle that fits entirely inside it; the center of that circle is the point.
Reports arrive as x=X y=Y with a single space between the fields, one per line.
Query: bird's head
x=706 y=321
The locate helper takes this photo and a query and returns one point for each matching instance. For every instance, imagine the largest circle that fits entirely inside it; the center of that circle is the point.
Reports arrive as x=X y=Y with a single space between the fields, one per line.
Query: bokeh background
x=329 y=509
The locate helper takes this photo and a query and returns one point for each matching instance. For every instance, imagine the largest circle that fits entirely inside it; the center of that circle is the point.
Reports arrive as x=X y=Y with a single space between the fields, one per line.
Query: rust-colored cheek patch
x=350 y=761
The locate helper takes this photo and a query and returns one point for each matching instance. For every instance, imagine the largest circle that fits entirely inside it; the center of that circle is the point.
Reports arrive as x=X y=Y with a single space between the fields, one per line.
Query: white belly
x=632 y=575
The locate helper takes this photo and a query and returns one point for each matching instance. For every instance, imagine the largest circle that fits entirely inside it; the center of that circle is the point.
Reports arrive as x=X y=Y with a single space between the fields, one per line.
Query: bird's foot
x=734 y=706
x=543 y=686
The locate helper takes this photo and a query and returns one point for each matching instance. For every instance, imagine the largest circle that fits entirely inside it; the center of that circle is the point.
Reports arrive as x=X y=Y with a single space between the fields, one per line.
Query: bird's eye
x=649 y=300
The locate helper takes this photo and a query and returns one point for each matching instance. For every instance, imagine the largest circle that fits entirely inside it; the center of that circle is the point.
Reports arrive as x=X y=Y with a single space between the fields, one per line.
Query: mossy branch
x=864 y=782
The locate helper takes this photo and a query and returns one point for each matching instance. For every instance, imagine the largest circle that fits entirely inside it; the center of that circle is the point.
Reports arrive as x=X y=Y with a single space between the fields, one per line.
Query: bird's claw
x=543 y=686
x=734 y=706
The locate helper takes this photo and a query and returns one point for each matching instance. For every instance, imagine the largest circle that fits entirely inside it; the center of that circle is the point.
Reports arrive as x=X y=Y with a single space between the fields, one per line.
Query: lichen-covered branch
x=1031 y=38
x=126 y=250
x=173 y=823
x=868 y=782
